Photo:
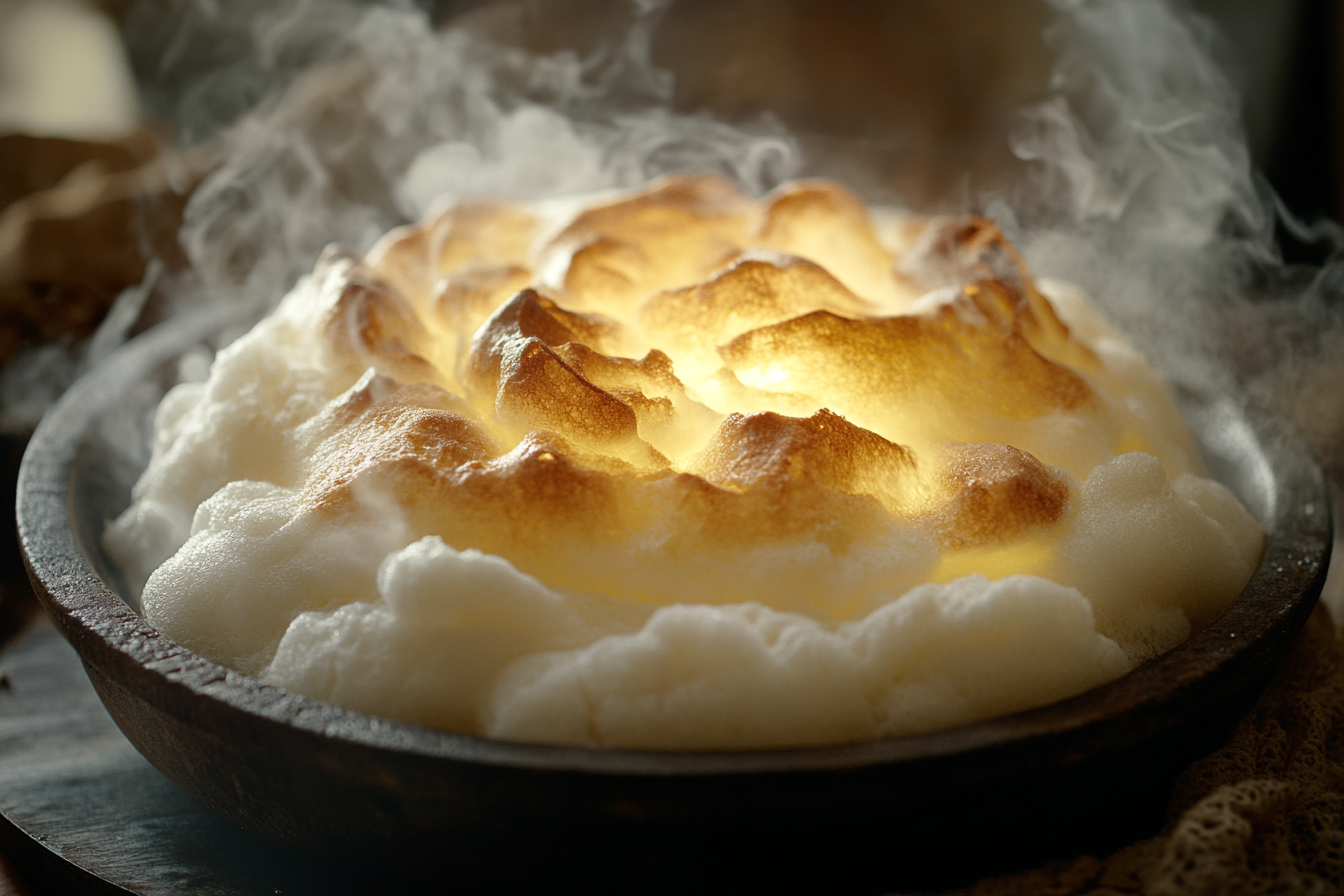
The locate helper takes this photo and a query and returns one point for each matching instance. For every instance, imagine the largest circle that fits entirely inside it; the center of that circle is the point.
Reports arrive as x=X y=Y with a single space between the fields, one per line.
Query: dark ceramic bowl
x=1085 y=774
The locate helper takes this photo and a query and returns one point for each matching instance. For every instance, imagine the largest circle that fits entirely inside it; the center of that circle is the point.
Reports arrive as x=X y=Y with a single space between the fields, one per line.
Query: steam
x=1139 y=184
x=1143 y=193
x=38 y=375
x=1151 y=204
x=1139 y=187
x=408 y=116
x=346 y=120
x=1155 y=208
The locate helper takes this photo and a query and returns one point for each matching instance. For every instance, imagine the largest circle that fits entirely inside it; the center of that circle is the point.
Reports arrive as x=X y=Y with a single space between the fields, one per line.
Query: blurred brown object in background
x=78 y=224
x=927 y=91
x=907 y=102
x=80 y=221
x=31 y=164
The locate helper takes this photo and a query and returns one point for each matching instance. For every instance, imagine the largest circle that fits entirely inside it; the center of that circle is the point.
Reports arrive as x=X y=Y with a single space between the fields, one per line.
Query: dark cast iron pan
x=1085 y=775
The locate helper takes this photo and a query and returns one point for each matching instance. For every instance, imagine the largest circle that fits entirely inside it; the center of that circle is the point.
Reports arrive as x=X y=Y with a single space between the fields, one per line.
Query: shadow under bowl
x=1087 y=774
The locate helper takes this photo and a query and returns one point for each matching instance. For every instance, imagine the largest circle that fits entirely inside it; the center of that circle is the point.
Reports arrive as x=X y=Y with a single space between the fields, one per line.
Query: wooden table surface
x=17 y=607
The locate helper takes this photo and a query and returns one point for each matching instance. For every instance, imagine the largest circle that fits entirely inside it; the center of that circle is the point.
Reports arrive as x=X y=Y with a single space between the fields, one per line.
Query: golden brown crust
x=532 y=387
x=371 y=325
x=828 y=224
x=420 y=432
x=962 y=249
x=767 y=450
x=994 y=494
x=692 y=271
x=752 y=291
x=676 y=231
x=968 y=356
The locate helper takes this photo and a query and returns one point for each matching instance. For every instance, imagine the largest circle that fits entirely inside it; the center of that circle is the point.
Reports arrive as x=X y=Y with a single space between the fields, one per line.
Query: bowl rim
x=1109 y=719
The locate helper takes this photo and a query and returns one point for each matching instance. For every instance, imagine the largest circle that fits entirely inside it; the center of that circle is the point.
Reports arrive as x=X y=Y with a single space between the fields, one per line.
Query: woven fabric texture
x=1264 y=814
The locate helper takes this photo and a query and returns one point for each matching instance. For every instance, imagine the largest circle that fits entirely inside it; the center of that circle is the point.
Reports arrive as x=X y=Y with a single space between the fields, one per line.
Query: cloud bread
x=677 y=468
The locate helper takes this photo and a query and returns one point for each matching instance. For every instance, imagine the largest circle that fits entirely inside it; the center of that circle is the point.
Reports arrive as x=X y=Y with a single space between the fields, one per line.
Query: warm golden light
x=762 y=357
x=681 y=468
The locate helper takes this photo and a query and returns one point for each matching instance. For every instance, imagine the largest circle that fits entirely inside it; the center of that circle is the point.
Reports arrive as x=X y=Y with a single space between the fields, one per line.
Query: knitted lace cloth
x=1264 y=814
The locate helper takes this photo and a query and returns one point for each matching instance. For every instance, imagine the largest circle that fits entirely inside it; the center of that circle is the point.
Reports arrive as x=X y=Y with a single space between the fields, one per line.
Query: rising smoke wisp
x=1140 y=186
